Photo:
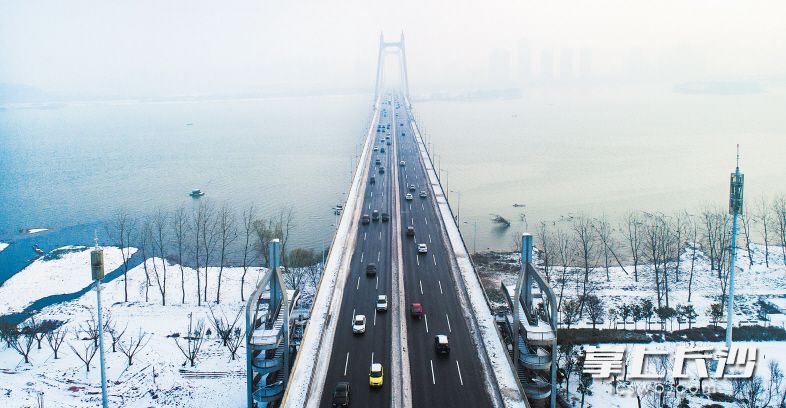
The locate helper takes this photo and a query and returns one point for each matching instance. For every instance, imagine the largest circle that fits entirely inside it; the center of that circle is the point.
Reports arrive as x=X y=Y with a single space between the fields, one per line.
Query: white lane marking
x=377 y=285
x=421 y=286
x=372 y=194
x=372 y=357
x=353 y=316
x=378 y=254
x=433 y=380
x=448 y=320
x=369 y=206
x=358 y=286
x=383 y=195
x=425 y=318
x=458 y=368
x=410 y=207
x=422 y=207
x=380 y=235
x=413 y=221
x=440 y=287
x=435 y=258
x=375 y=323
x=361 y=257
x=346 y=364
x=364 y=236
x=417 y=259
x=429 y=238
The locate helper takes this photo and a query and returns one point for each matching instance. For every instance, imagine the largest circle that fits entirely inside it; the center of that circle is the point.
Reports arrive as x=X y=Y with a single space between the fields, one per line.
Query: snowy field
x=64 y=270
x=157 y=376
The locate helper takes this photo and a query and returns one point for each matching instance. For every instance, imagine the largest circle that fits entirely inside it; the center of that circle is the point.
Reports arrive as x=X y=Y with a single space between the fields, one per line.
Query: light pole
x=458 y=210
x=735 y=208
x=474 y=236
x=97 y=272
x=447 y=179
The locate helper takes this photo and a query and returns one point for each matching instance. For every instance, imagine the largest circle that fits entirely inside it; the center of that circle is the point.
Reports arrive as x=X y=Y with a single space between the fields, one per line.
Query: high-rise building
x=546 y=65
x=524 y=63
x=585 y=63
x=499 y=67
x=566 y=64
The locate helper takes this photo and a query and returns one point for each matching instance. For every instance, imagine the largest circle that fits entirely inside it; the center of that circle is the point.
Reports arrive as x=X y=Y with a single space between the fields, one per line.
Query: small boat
x=38 y=249
x=338 y=209
x=196 y=193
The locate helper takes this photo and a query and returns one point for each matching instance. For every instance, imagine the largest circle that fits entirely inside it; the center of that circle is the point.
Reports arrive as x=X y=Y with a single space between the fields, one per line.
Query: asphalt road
x=437 y=381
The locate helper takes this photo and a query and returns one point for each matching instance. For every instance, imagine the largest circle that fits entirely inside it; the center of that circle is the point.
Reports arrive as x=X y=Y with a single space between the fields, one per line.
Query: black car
x=381 y=169
x=385 y=217
x=341 y=394
x=382 y=150
x=372 y=180
x=371 y=269
x=375 y=215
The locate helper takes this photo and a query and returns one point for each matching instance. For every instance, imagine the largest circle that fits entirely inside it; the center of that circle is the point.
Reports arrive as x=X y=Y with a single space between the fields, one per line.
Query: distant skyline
x=187 y=47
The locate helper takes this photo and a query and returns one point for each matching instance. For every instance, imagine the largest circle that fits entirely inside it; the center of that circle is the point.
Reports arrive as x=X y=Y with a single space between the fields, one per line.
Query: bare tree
x=234 y=341
x=116 y=334
x=89 y=329
x=762 y=215
x=249 y=255
x=180 y=225
x=300 y=259
x=143 y=242
x=634 y=227
x=595 y=310
x=134 y=345
x=55 y=339
x=193 y=340
x=585 y=244
x=693 y=228
x=779 y=207
x=679 y=227
x=285 y=225
x=87 y=354
x=198 y=219
x=746 y=232
x=210 y=237
x=544 y=236
x=22 y=343
x=223 y=325
x=565 y=253
x=264 y=231
x=121 y=230
x=570 y=312
x=605 y=231
x=227 y=232
x=160 y=239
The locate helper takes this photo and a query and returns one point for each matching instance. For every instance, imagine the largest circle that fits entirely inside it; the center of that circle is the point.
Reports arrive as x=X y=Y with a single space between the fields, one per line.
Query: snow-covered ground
x=157 y=376
x=3 y=246
x=64 y=270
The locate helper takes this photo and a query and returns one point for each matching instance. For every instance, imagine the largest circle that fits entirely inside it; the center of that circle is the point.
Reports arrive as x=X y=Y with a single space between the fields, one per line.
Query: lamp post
x=97 y=273
x=735 y=208
x=447 y=179
x=458 y=210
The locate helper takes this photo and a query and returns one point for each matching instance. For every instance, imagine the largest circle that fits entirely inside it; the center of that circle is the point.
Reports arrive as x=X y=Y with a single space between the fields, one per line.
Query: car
x=377 y=162
x=410 y=231
x=381 y=169
x=382 y=303
x=375 y=375
x=423 y=194
x=359 y=324
x=388 y=143
x=382 y=150
x=416 y=310
x=375 y=215
x=441 y=344
x=402 y=163
x=412 y=187
x=385 y=217
x=372 y=180
x=402 y=134
x=341 y=395
x=365 y=219
x=371 y=269
x=376 y=149
x=422 y=248
x=408 y=197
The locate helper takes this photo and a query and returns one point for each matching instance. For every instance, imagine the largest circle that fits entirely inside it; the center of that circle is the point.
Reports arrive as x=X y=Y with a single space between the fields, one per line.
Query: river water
x=554 y=151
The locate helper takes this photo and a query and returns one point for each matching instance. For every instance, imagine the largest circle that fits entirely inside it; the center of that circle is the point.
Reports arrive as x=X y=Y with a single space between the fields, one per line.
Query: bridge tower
x=387 y=48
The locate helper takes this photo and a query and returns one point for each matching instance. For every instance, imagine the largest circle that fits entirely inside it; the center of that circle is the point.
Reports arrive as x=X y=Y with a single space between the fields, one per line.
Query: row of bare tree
x=207 y=236
x=578 y=246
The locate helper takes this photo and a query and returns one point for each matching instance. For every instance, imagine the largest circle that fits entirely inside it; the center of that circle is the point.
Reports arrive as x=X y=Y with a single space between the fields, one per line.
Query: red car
x=416 y=310
x=365 y=219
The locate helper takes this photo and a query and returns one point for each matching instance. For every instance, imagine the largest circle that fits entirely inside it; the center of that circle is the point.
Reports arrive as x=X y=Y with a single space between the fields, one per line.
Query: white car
x=359 y=325
x=402 y=163
x=423 y=194
x=382 y=303
x=422 y=248
x=408 y=197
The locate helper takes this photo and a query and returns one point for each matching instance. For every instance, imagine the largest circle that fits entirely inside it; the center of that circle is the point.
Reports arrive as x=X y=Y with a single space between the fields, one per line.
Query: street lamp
x=474 y=236
x=458 y=211
x=97 y=273
x=735 y=208
x=447 y=178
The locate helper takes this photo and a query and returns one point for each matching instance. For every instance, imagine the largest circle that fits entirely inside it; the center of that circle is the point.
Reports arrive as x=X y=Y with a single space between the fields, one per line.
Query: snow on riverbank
x=3 y=246
x=64 y=270
x=216 y=380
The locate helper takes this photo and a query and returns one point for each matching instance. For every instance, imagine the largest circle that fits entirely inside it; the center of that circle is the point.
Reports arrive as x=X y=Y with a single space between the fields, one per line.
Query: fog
x=187 y=47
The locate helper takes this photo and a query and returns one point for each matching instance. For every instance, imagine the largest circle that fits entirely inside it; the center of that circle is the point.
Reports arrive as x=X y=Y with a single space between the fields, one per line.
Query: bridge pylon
x=387 y=48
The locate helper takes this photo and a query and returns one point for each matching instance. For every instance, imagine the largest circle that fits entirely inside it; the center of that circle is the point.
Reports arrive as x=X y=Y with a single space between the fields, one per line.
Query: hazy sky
x=176 y=47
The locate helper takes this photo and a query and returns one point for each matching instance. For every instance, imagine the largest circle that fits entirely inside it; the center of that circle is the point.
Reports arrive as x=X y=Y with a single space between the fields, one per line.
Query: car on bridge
x=382 y=303
x=378 y=162
x=371 y=269
x=376 y=149
x=375 y=215
x=423 y=194
x=365 y=219
x=416 y=310
x=441 y=344
x=376 y=375
x=341 y=395
x=381 y=169
x=411 y=231
x=382 y=150
x=359 y=324
x=408 y=197
x=385 y=217
x=388 y=143
x=372 y=180
x=422 y=248
x=402 y=163
x=412 y=187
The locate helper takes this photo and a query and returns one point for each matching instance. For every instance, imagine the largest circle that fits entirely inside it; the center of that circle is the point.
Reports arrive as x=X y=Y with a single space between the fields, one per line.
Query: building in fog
x=585 y=63
x=546 y=65
x=566 y=64
x=524 y=63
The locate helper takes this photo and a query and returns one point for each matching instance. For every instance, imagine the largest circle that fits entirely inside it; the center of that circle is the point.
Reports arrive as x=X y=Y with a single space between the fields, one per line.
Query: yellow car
x=375 y=375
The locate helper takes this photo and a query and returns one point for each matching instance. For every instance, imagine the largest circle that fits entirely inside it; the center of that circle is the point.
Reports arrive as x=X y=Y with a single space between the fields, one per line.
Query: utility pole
x=735 y=208
x=97 y=272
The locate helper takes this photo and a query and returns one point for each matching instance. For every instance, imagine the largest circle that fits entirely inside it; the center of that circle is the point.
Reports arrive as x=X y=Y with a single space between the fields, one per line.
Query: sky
x=196 y=47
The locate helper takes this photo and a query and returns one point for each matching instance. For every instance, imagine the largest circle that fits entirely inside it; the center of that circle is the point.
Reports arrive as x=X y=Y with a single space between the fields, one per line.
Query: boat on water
x=196 y=193
x=38 y=249
x=338 y=209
